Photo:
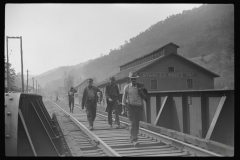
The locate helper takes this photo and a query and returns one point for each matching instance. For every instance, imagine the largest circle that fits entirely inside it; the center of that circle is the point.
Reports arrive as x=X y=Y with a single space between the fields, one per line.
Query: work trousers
x=113 y=106
x=91 y=111
x=134 y=114
x=71 y=104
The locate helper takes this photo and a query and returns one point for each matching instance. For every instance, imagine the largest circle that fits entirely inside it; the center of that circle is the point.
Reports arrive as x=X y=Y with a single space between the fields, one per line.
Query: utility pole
x=22 y=65
x=36 y=86
x=27 y=80
x=33 y=83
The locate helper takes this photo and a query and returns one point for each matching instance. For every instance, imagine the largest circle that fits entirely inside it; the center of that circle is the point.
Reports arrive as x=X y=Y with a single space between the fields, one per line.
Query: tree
x=12 y=73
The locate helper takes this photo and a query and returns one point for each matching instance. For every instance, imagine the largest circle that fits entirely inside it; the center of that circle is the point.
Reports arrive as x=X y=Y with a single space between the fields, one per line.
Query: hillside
x=59 y=73
x=205 y=35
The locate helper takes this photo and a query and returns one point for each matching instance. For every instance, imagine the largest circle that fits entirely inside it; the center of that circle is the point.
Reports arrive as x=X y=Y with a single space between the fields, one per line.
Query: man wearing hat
x=71 y=98
x=133 y=96
x=89 y=100
x=112 y=97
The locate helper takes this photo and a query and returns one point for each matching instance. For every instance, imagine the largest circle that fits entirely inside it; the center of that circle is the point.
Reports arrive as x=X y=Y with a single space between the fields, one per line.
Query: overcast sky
x=55 y=35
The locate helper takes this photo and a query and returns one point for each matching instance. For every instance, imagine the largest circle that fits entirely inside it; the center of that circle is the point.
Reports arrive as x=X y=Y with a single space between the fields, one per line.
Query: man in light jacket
x=133 y=96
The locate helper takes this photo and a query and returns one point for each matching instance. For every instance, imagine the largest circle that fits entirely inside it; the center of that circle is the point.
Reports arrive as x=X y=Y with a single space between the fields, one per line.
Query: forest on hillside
x=202 y=31
x=205 y=36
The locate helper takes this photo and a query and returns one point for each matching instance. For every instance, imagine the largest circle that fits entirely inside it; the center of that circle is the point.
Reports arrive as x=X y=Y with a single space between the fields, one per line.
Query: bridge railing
x=207 y=114
x=29 y=129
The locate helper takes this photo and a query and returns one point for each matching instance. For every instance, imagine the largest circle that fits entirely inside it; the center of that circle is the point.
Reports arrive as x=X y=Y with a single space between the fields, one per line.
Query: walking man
x=89 y=100
x=112 y=97
x=71 y=99
x=133 y=93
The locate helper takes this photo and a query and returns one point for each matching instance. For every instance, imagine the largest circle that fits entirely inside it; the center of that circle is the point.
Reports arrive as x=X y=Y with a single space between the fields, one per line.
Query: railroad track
x=106 y=141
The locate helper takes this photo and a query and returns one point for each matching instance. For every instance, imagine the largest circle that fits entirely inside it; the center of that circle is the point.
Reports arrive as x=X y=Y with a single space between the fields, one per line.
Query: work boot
x=136 y=144
x=91 y=127
x=118 y=126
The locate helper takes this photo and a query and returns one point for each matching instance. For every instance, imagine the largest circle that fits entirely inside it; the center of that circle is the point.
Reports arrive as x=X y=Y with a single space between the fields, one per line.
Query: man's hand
x=110 y=99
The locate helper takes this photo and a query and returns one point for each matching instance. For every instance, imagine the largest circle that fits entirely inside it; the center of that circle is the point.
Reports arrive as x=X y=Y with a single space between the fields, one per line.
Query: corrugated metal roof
x=150 y=53
x=123 y=74
x=81 y=82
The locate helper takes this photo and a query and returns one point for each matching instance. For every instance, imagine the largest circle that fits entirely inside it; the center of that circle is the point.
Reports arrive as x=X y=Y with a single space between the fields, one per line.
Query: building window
x=161 y=52
x=189 y=83
x=170 y=69
x=153 y=84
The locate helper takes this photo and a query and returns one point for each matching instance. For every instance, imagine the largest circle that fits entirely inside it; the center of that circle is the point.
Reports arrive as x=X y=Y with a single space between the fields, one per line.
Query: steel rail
x=94 y=138
x=163 y=137
x=194 y=150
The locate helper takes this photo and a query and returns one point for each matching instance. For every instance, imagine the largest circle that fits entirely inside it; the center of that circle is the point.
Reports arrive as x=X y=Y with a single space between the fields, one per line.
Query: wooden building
x=164 y=70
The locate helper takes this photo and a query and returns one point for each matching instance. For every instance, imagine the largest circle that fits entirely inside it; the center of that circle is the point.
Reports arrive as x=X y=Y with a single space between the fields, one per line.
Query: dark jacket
x=85 y=95
x=71 y=96
x=111 y=92
x=142 y=91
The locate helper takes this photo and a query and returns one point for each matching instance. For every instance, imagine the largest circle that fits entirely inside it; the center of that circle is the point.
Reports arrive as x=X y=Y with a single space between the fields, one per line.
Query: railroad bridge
x=184 y=115
x=175 y=123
